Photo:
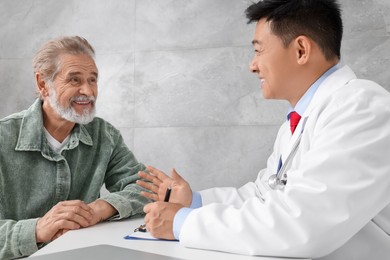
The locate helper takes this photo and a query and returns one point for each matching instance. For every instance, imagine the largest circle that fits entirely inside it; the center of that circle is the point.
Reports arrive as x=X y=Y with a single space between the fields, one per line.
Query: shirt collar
x=31 y=131
x=304 y=102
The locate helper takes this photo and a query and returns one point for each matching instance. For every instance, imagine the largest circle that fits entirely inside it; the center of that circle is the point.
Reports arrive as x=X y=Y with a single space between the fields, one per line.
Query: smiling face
x=73 y=92
x=274 y=63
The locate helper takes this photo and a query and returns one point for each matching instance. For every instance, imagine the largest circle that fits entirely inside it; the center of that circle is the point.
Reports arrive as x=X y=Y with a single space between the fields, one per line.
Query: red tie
x=294 y=120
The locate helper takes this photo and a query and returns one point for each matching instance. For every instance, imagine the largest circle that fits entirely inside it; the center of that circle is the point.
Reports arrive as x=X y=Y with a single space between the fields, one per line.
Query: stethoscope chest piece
x=276 y=183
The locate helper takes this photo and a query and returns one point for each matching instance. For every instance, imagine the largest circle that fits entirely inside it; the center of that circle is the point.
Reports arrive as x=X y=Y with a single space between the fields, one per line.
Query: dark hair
x=319 y=20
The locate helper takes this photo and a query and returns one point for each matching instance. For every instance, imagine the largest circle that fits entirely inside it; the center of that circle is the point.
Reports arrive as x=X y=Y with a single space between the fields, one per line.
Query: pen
x=142 y=228
x=167 y=194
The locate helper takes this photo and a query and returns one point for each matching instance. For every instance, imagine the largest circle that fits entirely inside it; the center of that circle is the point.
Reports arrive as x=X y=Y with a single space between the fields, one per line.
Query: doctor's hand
x=157 y=182
x=159 y=219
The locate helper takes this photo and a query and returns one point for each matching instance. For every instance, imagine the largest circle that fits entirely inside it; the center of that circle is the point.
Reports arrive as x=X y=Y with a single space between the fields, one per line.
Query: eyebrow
x=95 y=74
x=79 y=73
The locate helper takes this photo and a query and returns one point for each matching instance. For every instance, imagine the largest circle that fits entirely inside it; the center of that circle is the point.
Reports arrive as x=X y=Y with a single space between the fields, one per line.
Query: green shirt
x=33 y=178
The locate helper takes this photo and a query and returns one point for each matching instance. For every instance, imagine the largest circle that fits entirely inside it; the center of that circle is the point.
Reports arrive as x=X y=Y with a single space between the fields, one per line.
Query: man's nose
x=86 y=89
x=253 y=67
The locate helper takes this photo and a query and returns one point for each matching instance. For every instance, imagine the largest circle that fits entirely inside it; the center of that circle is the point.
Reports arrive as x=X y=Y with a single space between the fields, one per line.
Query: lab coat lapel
x=290 y=140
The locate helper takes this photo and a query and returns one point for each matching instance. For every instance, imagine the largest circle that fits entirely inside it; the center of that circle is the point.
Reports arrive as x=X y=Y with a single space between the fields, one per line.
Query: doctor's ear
x=41 y=85
x=303 y=48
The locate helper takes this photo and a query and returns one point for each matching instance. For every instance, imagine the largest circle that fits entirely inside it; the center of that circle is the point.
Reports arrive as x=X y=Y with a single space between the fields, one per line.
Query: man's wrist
x=103 y=209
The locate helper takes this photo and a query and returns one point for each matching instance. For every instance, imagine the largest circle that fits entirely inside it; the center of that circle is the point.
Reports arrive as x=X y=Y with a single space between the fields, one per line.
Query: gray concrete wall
x=174 y=75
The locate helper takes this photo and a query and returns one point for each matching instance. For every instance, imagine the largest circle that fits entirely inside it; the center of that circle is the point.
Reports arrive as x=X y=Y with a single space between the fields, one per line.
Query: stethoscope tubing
x=278 y=181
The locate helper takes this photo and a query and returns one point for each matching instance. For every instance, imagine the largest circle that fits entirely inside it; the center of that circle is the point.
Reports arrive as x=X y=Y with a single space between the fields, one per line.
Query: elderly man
x=55 y=156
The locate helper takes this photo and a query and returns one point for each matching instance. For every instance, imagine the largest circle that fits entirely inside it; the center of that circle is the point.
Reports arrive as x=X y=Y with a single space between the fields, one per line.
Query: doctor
x=325 y=192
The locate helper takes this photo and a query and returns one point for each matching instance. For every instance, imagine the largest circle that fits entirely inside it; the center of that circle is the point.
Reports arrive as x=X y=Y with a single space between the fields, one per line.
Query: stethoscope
x=278 y=181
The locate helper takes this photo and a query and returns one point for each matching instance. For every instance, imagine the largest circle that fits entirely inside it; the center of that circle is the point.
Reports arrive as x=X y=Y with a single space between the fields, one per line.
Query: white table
x=112 y=233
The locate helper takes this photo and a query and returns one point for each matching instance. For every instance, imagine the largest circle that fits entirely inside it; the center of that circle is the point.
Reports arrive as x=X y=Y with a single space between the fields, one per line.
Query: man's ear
x=303 y=47
x=42 y=86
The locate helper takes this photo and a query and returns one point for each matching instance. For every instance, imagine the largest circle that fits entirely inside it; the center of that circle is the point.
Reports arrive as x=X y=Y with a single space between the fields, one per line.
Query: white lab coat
x=336 y=201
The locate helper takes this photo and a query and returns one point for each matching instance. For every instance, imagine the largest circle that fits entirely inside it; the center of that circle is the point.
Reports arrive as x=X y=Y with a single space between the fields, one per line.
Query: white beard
x=70 y=113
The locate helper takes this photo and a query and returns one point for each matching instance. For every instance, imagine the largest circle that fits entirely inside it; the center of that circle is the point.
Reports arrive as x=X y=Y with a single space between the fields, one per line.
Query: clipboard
x=145 y=236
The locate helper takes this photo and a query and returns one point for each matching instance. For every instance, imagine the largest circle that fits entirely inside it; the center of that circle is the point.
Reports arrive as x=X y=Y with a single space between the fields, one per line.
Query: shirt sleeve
x=182 y=214
x=17 y=238
x=120 y=180
x=196 y=200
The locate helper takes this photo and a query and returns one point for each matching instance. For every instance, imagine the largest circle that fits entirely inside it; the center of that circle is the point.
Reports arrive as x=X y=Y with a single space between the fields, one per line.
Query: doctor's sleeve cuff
x=179 y=219
x=196 y=200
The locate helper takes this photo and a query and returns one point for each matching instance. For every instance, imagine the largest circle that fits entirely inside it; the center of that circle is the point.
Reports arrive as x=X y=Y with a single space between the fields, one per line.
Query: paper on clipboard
x=141 y=236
